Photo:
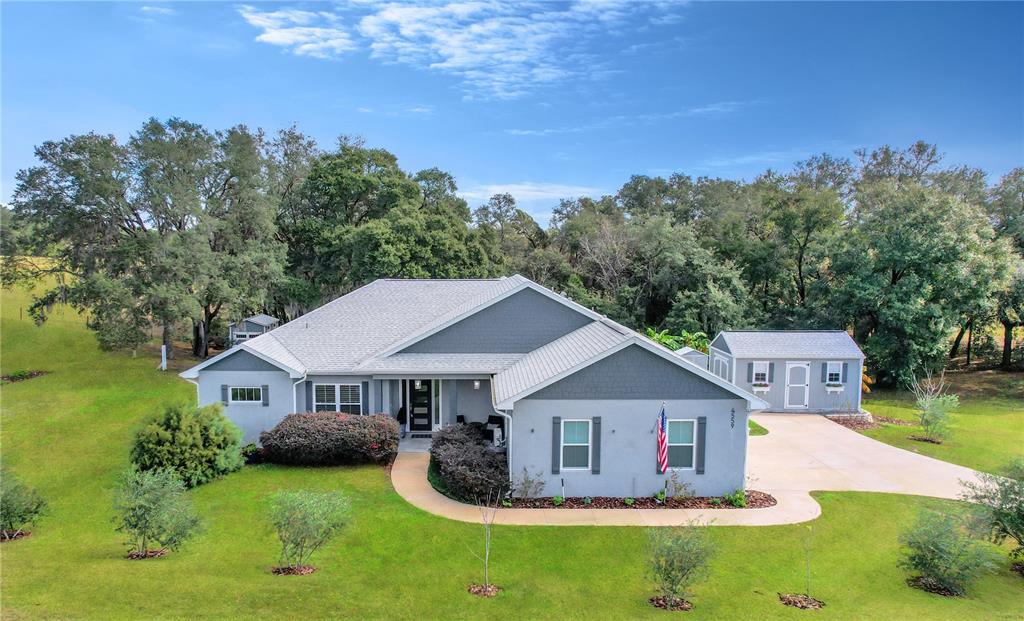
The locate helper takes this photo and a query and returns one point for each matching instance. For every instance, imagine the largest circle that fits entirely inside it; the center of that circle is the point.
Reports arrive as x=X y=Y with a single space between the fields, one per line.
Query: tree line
x=183 y=227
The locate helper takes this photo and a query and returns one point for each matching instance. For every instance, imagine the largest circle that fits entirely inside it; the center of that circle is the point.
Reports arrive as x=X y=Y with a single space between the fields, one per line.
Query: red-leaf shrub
x=469 y=469
x=331 y=438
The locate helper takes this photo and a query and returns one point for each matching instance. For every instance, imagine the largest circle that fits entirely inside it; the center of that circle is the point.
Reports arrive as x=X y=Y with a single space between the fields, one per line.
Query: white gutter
x=508 y=436
x=196 y=382
x=295 y=399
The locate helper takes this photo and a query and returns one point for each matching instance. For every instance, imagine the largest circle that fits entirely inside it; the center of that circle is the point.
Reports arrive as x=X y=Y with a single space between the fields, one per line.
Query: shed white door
x=798 y=375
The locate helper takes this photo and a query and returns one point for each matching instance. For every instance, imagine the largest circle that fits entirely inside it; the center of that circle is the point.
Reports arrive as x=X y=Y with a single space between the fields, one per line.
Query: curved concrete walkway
x=800 y=454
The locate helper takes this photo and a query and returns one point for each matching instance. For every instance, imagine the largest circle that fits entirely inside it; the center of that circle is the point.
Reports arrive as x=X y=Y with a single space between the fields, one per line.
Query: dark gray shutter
x=750 y=372
x=771 y=372
x=824 y=372
x=364 y=406
x=702 y=433
x=556 y=444
x=845 y=365
x=309 y=397
x=595 y=466
x=266 y=395
x=224 y=394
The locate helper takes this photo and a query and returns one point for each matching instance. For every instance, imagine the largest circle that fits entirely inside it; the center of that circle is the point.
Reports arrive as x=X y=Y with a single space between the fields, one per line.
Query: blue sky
x=541 y=99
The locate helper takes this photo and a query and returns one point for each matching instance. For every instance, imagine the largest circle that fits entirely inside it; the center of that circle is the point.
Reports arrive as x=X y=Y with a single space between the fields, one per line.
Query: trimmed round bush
x=469 y=469
x=331 y=438
x=198 y=444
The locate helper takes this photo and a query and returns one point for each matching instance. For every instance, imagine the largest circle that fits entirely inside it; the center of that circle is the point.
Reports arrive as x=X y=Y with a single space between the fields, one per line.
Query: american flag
x=662 y=441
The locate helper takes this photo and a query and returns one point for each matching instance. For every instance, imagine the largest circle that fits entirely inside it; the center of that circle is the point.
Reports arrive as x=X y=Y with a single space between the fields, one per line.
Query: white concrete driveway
x=806 y=452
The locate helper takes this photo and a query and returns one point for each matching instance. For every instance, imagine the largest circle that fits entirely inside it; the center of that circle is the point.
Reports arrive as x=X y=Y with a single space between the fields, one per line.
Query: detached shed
x=251 y=327
x=812 y=371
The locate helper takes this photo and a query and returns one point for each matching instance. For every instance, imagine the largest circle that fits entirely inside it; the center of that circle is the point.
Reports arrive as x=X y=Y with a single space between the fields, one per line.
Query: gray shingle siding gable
x=520 y=323
x=242 y=361
x=632 y=373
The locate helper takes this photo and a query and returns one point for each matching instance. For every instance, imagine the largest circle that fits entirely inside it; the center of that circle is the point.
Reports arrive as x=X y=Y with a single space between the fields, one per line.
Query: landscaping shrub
x=20 y=505
x=199 y=444
x=331 y=438
x=999 y=511
x=151 y=508
x=468 y=468
x=945 y=559
x=678 y=557
x=305 y=521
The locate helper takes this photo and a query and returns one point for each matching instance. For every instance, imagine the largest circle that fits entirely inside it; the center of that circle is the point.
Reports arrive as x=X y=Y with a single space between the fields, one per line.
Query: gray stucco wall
x=629 y=445
x=474 y=404
x=518 y=324
x=633 y=373
x=818 y=398
x=252 y=419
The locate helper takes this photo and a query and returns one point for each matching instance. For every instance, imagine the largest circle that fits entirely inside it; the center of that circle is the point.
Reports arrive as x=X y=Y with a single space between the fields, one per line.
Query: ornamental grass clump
x=198 y=444
x=934 y=406
x=20 y=505
x=678 y=557
x=154 y=512
x=944 y=558
x=304 y=521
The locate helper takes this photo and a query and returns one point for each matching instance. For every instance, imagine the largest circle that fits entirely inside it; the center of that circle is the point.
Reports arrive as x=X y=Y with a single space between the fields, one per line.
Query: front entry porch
x=424 y=405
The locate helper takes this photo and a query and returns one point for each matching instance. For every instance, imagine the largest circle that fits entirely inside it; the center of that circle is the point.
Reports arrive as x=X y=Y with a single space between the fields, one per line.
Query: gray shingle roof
x=790 y=344
x=441 y=363
x=263 y=320
x=557 y=357
x=342 y=334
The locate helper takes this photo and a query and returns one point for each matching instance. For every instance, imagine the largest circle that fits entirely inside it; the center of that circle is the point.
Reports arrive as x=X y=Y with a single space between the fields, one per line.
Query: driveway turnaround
x=800 y=454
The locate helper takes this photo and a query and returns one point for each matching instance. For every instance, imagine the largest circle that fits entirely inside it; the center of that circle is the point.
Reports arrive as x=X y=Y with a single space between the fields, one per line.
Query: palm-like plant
x=664 y=338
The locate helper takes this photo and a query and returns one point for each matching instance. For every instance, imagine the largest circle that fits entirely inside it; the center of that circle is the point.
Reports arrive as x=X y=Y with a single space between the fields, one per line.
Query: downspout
x=295 y=398
x=508 y=436
x=196 y=382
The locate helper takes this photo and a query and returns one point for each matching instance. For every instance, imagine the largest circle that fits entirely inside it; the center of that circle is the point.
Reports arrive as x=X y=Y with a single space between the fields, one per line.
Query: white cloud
x=304 y=33
x=713 y=109
x=496 y=49
x=529 y=191
x=157 y=10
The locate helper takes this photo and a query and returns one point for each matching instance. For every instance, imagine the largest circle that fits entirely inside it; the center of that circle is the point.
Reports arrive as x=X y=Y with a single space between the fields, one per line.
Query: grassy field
x=987 y=430
x=756 y=430
x=68 y=434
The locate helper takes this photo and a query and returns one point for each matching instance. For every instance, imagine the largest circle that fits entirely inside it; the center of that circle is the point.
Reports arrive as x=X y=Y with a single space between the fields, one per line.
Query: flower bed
x=755 y=500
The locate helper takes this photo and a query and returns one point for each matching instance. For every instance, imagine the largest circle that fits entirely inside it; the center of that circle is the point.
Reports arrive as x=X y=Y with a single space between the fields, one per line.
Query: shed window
x=575 y=444
x=246 y=394
x=834 y=374
x=761 y=372
x=347 y=398
x=680 y=443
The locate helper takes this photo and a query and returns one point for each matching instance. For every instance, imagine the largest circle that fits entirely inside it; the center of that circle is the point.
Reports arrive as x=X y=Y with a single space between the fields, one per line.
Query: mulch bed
x=801 y=601
x=889 y=420
x=857 y=424
x=481 y=590
x=755 y=500
x=920 y=582
x=301 y=570
x=11 y=535
x=1019 y=568
x=138 y=556
x=21 y=377
x=678 y=605
x=925 y=439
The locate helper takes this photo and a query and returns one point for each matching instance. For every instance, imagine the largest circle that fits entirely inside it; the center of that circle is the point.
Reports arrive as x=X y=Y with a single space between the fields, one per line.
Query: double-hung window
x=575 y=444
x=347 y=398
x=834 y=373
x=760 y=372
x=681 y=443
x=246 y=394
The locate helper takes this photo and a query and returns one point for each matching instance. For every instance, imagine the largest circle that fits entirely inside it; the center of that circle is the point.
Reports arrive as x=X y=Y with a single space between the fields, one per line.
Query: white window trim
x=838 y=371
x=693 y=444
x=258 y=389
x=590 y=445
x=337 y=403
x=753 y=375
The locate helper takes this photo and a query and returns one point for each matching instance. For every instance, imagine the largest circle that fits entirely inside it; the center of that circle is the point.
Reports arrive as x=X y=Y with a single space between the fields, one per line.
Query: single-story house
x=794 y=371
x=577 y=395
x=251 y=327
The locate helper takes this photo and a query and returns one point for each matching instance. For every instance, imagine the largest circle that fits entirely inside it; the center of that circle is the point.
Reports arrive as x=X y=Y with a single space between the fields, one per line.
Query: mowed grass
x=755 y=429
x=68 y=433
x=987 y=431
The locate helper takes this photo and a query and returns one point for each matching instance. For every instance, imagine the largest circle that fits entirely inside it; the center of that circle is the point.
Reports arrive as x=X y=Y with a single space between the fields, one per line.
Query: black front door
x=420 y=402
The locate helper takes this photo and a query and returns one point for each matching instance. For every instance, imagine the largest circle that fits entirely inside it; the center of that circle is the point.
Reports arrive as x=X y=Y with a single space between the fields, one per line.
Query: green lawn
x=68 y=434
x=756 y=430
x=987 y=430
